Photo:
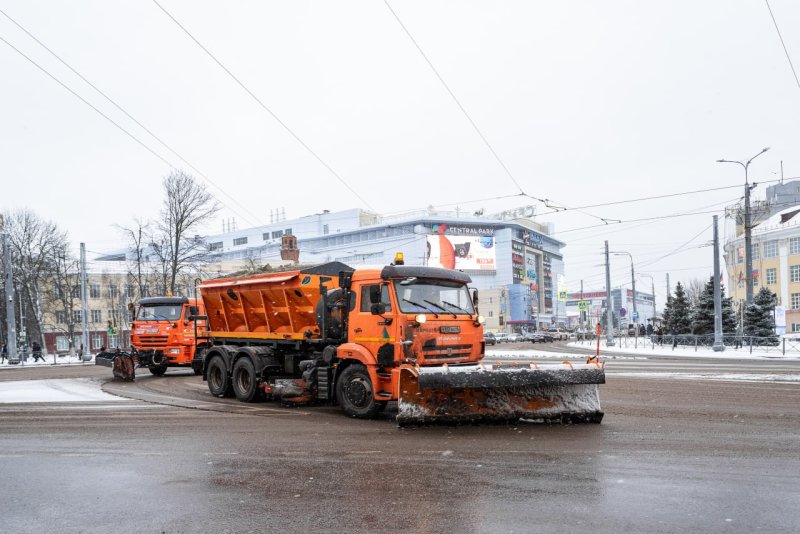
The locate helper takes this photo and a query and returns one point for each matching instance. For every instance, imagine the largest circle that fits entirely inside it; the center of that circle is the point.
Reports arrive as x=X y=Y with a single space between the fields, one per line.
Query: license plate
x=152 y=330
x=450 y=329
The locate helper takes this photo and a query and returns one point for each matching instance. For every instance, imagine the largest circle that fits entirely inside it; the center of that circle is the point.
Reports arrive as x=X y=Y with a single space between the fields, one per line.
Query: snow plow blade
x=565 y=393
x=122 y=364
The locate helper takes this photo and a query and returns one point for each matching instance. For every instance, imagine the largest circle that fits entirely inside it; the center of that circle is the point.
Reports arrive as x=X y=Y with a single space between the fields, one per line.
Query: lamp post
x=633 y=287
x=748 y=253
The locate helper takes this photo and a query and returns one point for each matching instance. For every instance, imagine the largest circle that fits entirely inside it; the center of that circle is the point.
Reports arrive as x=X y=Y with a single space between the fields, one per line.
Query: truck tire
x=219 y=383
x=245 y=381
x=354 y=393
x=158 y=370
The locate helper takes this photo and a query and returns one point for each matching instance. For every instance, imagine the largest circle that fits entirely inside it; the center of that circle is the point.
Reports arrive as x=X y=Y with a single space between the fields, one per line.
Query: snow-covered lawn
x=49 y=359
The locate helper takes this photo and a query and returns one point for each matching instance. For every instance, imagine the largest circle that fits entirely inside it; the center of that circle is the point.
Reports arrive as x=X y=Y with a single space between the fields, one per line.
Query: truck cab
x=163 y=332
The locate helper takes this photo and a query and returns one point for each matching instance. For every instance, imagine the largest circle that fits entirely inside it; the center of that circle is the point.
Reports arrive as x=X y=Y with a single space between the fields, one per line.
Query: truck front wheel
x=158 y=370
x=219 y=383
x=354 y=393
x=245 y=381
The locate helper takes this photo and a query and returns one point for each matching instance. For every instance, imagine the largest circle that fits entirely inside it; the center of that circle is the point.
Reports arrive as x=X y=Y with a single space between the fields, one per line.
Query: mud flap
x=563 y=393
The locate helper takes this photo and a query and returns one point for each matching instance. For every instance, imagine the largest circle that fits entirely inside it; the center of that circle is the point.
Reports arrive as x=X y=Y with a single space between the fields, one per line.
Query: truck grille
x=147 y=342
x=446 y=351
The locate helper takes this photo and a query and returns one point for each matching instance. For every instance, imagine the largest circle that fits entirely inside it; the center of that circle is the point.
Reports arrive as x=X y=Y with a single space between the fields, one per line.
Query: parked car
x=514 y=338
x=501 y=337
x=559 y=334
x=489 y=338
x=538 y=337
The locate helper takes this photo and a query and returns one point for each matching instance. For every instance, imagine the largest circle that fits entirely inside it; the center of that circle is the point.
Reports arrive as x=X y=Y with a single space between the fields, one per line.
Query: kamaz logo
x=450 y=329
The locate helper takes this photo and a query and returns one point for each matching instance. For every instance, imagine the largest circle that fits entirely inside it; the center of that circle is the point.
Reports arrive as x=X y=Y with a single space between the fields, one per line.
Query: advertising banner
x=462 y=252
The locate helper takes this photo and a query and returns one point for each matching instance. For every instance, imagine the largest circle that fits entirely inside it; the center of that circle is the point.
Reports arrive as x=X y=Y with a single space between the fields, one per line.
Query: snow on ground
x=644 y=350
x=54 y=390
x=49 y=359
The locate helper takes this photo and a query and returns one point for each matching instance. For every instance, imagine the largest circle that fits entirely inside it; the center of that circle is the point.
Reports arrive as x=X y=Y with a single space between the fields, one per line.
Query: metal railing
x=771 y=344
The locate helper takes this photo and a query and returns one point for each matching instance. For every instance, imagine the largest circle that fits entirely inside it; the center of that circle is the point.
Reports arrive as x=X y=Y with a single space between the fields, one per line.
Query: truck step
x=324 y=379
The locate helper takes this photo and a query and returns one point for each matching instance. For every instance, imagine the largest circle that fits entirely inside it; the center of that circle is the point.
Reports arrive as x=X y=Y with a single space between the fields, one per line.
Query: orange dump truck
x=162 y=335
x=362 y=338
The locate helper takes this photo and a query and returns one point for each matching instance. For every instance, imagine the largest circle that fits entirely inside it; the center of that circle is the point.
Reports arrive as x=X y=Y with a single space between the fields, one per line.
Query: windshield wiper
x=418 y=305
x=442 y=307
x=456 y=306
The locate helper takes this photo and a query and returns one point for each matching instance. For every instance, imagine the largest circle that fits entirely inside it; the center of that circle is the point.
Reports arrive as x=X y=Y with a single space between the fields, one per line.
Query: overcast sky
x=584 y=102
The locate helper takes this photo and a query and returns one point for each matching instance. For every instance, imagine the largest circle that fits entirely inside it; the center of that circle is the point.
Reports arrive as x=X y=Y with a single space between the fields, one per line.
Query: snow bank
x=56 y=390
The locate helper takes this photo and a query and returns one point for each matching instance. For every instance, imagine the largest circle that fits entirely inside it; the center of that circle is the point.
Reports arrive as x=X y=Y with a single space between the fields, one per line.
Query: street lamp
x=633 y=287
x=748 y=255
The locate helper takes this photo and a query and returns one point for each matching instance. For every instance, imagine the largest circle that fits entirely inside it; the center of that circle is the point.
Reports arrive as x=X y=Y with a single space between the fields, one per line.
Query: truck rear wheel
x=219 y=383
x=245 y=381
x=354 y=393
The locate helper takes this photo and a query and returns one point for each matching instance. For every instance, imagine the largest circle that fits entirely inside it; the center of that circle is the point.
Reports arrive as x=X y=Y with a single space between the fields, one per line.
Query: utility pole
x=748 y=252
x=609 y=305
x=11 y=319
x=84 y=304
x=581 y=312
x=718 y=346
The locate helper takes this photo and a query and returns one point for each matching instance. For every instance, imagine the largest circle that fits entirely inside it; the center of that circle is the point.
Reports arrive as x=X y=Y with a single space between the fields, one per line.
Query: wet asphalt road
x=671 y=455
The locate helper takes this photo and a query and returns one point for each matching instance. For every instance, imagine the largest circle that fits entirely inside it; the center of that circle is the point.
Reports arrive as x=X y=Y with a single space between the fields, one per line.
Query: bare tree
x=64 y=290
x=694 y=289
x=138 y=237
x=35 y=243
x=187 y=207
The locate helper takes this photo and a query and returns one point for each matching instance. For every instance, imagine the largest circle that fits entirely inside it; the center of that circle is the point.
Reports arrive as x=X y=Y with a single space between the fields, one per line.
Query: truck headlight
x=174 y=351
x=481 y=319
x=421 y=318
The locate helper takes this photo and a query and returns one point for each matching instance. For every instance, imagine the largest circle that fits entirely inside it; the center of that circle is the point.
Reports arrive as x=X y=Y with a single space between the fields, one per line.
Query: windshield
x=423 y=295
x=163 y=312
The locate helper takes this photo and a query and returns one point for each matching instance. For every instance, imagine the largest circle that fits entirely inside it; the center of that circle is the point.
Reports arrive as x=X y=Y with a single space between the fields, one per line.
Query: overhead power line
x=254 y=221
x=263 y=106
x=547 y=202
x=785 y=50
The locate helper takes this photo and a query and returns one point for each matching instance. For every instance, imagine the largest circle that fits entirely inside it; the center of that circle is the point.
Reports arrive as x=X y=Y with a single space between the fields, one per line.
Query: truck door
x=376 y=333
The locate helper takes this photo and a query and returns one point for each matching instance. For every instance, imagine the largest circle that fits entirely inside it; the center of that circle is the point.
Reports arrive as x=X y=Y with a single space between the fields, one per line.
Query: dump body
x=163 y=335
x=359 y=338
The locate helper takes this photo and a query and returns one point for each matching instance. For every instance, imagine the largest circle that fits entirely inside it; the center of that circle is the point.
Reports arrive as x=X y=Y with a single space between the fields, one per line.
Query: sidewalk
x=49 y=360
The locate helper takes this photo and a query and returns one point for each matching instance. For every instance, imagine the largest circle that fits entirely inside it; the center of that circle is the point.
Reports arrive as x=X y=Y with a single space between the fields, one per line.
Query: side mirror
x=475 y=298
x=193 y=310
x=374 y=294
x=131 y=311
x=378 y=308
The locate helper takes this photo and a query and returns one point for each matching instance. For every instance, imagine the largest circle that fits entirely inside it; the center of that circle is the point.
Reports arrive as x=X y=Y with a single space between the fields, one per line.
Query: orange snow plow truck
x=163 y=333
x=362 y=338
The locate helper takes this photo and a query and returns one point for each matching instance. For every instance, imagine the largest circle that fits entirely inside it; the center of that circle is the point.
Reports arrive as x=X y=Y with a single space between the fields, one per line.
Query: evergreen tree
x=729 y=322
x=703 y=313
x=759 y=320
x=679 y=312
x=666 y=315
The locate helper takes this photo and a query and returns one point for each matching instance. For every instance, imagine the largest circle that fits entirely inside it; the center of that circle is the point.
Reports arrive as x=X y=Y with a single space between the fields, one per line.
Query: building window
x=288 y=231
x=795 y=301
x=94 y=291
x=265 y=236
x=113 y=291
x=754 y=250
x=794 y=246
x=771 y=249
x=62 y=343
x=76 y=292
x=112 y=315
x=129 y=291
x=795 y=327
x=76 y=316
x=96 y=316
x=772 y=276
x=215 y=246
x=276 y=234
x=239 y=241
x=145 y=290
x=97 y=341
x=61 y=317
x=794 y=273
x=325 y=229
